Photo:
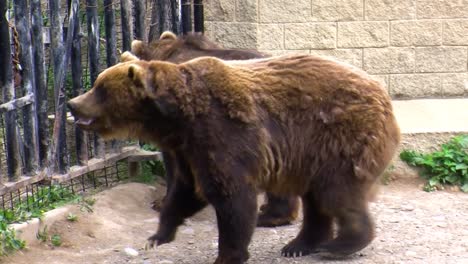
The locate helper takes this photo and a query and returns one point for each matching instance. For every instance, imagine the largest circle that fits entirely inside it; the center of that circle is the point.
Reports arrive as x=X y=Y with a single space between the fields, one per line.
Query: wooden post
x=6 y=84
x=30 y=133
x=40 y=93
x=139 y=17
x=58 y=148
x=61 y=57
x=134 y=169
x=93 y=53
x=126 y=16
x=198 y=19
x=111 y=39
x=164 y=16
x=186 y=16
x=111 y=44
x=81 y=138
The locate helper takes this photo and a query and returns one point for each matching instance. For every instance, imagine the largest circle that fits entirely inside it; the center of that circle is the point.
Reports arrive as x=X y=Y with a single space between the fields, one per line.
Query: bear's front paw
x=297 y=248
x=157 y=204
x=265 y=219
x=157 y=240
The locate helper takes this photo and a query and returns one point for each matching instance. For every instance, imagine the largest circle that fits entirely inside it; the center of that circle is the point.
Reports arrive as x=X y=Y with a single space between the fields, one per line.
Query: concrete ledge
x=432 y=115
x=28 y=230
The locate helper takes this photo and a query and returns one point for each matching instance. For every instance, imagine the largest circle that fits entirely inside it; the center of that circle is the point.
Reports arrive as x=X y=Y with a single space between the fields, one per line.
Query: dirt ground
x=413 y=226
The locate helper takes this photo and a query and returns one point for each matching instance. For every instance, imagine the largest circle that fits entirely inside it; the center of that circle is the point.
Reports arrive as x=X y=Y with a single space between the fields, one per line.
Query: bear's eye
x=101 y=94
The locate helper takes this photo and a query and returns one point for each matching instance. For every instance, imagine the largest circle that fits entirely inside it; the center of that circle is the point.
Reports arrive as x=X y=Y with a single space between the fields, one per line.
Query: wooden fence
x=45 y=63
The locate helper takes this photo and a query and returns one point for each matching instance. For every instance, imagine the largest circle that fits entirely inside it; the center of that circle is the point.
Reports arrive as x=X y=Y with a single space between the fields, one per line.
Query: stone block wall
x=418 y=48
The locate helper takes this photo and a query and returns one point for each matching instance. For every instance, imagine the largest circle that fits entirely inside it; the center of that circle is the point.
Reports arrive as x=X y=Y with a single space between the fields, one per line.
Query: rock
x=439 y=218
x=188 y=231
x=214 y=245
x=152 y=220
x=131 y=252
x=407 y=208
x=410 y=253
x=165 y=261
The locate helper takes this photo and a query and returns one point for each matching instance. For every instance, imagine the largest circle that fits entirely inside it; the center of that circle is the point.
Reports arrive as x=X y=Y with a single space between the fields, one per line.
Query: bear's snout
x=82 y=119
x=72 y=107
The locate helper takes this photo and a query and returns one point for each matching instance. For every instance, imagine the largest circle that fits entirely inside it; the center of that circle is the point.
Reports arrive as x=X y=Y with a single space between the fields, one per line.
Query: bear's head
x=127 y=99
x=168 y=44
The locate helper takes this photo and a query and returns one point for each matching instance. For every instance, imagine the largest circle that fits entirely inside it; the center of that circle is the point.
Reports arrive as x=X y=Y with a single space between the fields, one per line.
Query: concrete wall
x=418 y=48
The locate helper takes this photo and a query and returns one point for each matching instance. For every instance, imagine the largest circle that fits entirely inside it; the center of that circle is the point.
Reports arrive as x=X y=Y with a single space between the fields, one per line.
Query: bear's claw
x=297 y=248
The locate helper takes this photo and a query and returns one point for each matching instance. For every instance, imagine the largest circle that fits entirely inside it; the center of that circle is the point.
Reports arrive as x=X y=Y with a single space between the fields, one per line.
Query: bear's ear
x=128 y=56
x=137 y=75
x=137 y=46
x=168 y=36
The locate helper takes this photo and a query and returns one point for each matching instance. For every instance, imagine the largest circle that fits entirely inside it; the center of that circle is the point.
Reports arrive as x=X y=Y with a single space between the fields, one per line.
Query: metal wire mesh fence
x=43 y=194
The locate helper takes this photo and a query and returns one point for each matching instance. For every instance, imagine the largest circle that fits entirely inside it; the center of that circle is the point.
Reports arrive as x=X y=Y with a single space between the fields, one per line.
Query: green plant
x=56 y=240
x=151 y=168
x=387 y=175
x=44 y=199
x=43 y=235
x=446 y=166
x=8 y=240
x=86 y=204
x=72 y=217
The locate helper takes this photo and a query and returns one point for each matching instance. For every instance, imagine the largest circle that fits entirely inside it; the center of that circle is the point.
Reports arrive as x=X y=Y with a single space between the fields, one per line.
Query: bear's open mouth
x=84 y=121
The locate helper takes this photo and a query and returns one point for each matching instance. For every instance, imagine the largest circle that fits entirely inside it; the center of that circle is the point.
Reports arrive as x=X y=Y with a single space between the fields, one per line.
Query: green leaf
x=464 y=187
x=409 y=156
x=433 y=181
x=452 y=179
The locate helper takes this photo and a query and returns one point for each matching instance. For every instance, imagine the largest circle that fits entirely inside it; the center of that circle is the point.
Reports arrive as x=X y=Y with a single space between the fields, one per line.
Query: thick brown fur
x=278 y=210
x=292 y=125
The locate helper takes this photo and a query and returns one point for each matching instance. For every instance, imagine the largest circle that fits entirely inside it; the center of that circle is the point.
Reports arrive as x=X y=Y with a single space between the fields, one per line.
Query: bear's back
x=291 y=84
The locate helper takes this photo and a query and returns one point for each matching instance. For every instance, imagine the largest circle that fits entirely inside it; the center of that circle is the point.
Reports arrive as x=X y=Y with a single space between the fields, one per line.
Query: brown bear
x=292 y=125
x=277 y=210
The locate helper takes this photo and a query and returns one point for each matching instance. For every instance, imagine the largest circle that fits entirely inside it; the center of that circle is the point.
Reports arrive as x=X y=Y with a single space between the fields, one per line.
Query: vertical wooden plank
x=81 y=138
x=139 y=17
x=111 y=39
x=61 y=55
x=198 y=18
x=186 y=16
x=164 y=16
x=30 y=134
x=126 y=16
x=134 y=169
x=175 y=17
x=111 y=44
x=58 y=148
x=40 y=94
x=6 y=84
x=93 y=53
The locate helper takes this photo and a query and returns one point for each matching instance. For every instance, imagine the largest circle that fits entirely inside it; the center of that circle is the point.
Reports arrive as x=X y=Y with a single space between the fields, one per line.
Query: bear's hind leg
x=316 y=228
x=180 y=202
x=278 y=210
x=355 y=231
x=169 y=163
x=344 y=197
